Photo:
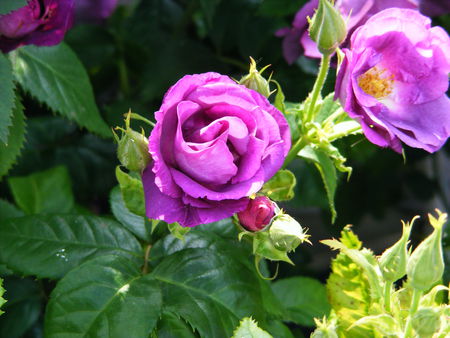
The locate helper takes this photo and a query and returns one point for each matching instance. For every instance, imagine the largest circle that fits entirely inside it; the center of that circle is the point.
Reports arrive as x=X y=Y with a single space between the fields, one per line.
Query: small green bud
x=325 y=328
x=427 y=321
x=132 y=148
x=426 y=264
x=286 y=233
x=254 y=79
x=393 y=260
x=327 y=28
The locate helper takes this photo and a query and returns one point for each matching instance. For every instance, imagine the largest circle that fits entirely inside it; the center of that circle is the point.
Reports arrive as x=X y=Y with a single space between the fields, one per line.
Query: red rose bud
x=258 y=214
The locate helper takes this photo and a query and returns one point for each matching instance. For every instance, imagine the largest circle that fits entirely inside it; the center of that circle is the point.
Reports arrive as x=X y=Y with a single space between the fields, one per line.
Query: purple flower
x=214 y=144
x=40 y=22
x=296 y=38
x=394 y=78
x=94 y=10
x=258 y=214
x=435 y=7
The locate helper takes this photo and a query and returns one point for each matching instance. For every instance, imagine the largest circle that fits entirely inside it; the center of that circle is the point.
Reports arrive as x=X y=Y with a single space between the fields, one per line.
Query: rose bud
x=254 y=79
x=427 y=321
x=132 y=148
x=426 y=264
x=286 y=233
x=40 y=23
x=258 y=214
x=393 y=260
x=327 y=28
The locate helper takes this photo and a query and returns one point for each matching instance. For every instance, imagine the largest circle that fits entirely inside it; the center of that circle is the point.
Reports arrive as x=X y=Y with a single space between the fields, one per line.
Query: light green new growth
x=248 y=328
x=362 y=292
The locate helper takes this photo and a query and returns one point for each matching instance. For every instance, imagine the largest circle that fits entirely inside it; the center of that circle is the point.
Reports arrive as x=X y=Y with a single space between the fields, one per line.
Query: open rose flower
x=214 y=144
x=394 y=78
x=40 y=22
x=296 y=40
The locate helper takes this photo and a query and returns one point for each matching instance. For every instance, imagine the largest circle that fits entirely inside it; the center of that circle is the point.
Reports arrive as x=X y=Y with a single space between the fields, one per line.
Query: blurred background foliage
x=144 y=48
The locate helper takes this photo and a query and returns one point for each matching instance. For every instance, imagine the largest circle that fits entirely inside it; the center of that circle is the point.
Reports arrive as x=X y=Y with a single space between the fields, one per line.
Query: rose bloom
x=296 y=40
x=214 y=144
x=394 y=78
x=258 y=214
x=40 y=22
x=94 y=11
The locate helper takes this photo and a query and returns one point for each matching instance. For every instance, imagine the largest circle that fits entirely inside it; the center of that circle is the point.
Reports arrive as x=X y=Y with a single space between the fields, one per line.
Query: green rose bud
x=427 y=321
x=393 y=260
x=426 y=264
x=325 y=328
x=286 y=233
x=254 y=79
x=132 y=149
x=327 y=28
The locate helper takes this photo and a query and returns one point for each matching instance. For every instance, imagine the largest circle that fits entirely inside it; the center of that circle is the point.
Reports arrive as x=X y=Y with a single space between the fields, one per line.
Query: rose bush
x=40 y=22
x=394 y=78
x=214 y=144
x=296 y=40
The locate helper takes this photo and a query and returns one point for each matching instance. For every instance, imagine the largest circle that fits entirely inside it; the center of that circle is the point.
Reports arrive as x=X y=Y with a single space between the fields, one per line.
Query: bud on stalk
x=286 y=233
x=132 y=148
x=327 y=28
x=254 y=79
x=426 y=264
x=258 y=214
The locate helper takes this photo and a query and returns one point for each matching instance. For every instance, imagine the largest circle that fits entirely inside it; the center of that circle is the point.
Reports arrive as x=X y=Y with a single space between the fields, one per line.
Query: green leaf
x=170 y=325
x=348 y=290
x=248 y=328
x=2 y=300
x=49 y=246
x=210 y=290
x=281 y=186
x=10 y=151
x=303 y=298
x=327 y=171
x=327 y=107
x=132 y=192
x=6 y=97
x=104 y=297
x=8 y=210
x=23 y=308
x=9 y=6
x=205 y=287
x=54 y=75
x=177 y=230
x=134 y=223
x=48 y=191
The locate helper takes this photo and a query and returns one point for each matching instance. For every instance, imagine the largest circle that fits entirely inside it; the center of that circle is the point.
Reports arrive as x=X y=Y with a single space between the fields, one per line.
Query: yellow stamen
x=375 y=83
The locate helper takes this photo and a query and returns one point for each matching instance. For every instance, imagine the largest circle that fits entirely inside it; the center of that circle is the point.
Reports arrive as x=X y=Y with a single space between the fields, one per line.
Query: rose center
x=376 y=82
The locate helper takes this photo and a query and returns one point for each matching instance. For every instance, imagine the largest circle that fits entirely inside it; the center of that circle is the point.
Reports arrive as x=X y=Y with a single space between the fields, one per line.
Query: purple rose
x=296 y=38
x=214 y=144
x=40 y=22
x=94 y=10
x=258 y=214
x=394 y=78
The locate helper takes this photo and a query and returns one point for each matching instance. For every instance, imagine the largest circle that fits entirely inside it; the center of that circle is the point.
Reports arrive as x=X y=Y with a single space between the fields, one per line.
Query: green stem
x=295 y=149
x=318 y=85
x=387 y=296
x=123 y=77
x=335 y=136
x=412 y=310
x=146 y=257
